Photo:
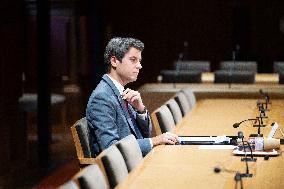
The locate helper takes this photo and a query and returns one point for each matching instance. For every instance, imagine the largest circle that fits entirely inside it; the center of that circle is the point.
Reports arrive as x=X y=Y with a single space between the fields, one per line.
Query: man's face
x=128 y=68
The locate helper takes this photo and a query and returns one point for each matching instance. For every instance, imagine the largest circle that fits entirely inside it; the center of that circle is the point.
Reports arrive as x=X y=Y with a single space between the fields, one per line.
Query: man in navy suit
x=114 y=112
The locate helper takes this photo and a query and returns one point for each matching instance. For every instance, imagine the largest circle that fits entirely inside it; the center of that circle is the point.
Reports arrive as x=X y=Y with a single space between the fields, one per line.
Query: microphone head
x=236 y=125
x=217 y=170
x=267 y=98
x=240 y=134
x=238 y=177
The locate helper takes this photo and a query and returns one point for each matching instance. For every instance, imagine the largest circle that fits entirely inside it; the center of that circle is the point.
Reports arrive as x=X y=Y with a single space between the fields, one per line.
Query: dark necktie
x=132 y=119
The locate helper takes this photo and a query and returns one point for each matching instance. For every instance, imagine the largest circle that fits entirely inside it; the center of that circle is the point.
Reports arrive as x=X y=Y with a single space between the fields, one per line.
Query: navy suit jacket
x=109 y=121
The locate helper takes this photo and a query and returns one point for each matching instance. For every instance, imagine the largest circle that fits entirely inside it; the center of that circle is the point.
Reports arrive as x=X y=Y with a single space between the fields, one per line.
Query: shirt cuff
x=143 y=116
x=151 y=143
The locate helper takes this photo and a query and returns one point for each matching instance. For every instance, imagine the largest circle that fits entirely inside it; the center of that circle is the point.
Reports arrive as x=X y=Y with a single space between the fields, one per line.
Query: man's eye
x=133 y=59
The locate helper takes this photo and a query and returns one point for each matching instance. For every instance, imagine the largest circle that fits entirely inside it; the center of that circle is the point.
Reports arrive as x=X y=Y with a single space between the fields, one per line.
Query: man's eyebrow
x=135 y=57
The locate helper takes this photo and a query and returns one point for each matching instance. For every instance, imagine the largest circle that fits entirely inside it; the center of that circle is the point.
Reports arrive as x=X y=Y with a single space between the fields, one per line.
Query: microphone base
x=249 y=159
x=256 y=135
x=246 y=175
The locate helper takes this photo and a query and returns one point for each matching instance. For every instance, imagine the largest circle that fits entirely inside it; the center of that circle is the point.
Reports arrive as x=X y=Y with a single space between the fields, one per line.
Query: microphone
x=237 y=177
x=241 y=136
x=261 y=109
x=236 y=125
x=266 y=97
x=217 y=169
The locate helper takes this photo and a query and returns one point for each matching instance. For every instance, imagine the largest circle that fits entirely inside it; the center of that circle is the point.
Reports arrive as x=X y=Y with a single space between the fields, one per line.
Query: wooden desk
x=155 y=94
x=187 y=166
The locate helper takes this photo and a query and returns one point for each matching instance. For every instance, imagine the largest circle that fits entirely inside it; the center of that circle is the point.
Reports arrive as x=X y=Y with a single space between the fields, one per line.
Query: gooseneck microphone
x=266 y=97
x=257 y=120
x=236 y=125
x=237 y=177
x=247 y=174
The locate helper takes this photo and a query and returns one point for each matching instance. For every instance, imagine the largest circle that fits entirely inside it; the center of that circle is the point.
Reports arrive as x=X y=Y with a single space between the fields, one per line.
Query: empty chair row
x=166 y=117
x=204 y=66
x=220 y=76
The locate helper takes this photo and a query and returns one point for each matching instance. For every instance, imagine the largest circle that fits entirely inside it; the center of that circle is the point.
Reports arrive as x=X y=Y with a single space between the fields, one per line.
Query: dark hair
x=118 y=47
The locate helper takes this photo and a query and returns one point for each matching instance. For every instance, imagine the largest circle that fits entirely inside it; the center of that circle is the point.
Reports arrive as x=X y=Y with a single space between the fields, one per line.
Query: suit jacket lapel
x=121 y=102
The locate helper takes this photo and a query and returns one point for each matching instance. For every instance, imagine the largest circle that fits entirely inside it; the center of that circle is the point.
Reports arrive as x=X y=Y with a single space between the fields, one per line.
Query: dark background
x=80 y=29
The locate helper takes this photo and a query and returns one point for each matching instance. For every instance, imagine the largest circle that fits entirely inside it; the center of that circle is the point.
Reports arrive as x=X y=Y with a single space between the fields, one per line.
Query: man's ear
x=113 y=61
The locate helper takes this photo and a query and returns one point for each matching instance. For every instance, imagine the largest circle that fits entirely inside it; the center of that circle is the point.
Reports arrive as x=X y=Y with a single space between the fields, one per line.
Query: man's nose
x=139 y=66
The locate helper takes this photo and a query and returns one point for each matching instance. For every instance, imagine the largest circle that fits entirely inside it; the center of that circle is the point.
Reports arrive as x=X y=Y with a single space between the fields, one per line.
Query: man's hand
x=133 y=98
x=165 y=138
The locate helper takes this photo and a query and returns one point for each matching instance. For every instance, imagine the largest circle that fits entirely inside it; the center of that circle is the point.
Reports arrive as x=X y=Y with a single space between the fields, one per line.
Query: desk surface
x=186 y=166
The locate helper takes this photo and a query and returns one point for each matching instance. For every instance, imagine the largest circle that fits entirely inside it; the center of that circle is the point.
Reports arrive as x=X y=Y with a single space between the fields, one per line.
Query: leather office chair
x=239 y=66
x=175 y=110
x=174 y=76
x=193 y=65
x=71 y=184
x=130 y=151
x=190 y=97
x=165 y=119
x=278 y=66
x=82 y=139
x=224 y=76
x=183 y=103
x=114 y=164
x=281 y=77
x=91 y=177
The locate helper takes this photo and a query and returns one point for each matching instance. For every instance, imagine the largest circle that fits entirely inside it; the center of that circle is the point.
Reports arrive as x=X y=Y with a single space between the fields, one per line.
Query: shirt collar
x=119 y=87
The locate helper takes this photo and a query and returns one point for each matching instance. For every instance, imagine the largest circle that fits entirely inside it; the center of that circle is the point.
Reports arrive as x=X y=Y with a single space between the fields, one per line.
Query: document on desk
x=207 y=140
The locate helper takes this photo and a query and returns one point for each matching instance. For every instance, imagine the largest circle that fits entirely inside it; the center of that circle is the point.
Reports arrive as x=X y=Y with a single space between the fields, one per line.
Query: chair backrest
x=70 y=184
x=114 y=165
x=82 y=139
x=278 y=66
x=239 y=66
x=130 y=151
x=224 y=76
x=281 y=77
x=165 y=119
x=174 y=76
x=183 y=103
x=91 y=177
x=193 y=65
x=175 y=110
x=190 y=96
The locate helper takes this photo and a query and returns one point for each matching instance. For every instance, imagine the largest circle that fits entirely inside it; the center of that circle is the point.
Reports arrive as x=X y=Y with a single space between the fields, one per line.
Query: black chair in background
x=281 y=77
x=250 y=66
x=225 y=76
x=278 y=66
x=174 y=76
x=193 y=65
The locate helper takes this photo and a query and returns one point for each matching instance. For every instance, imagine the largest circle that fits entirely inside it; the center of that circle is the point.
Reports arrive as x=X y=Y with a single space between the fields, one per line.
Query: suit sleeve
x=145 y=125
x=101 y=115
